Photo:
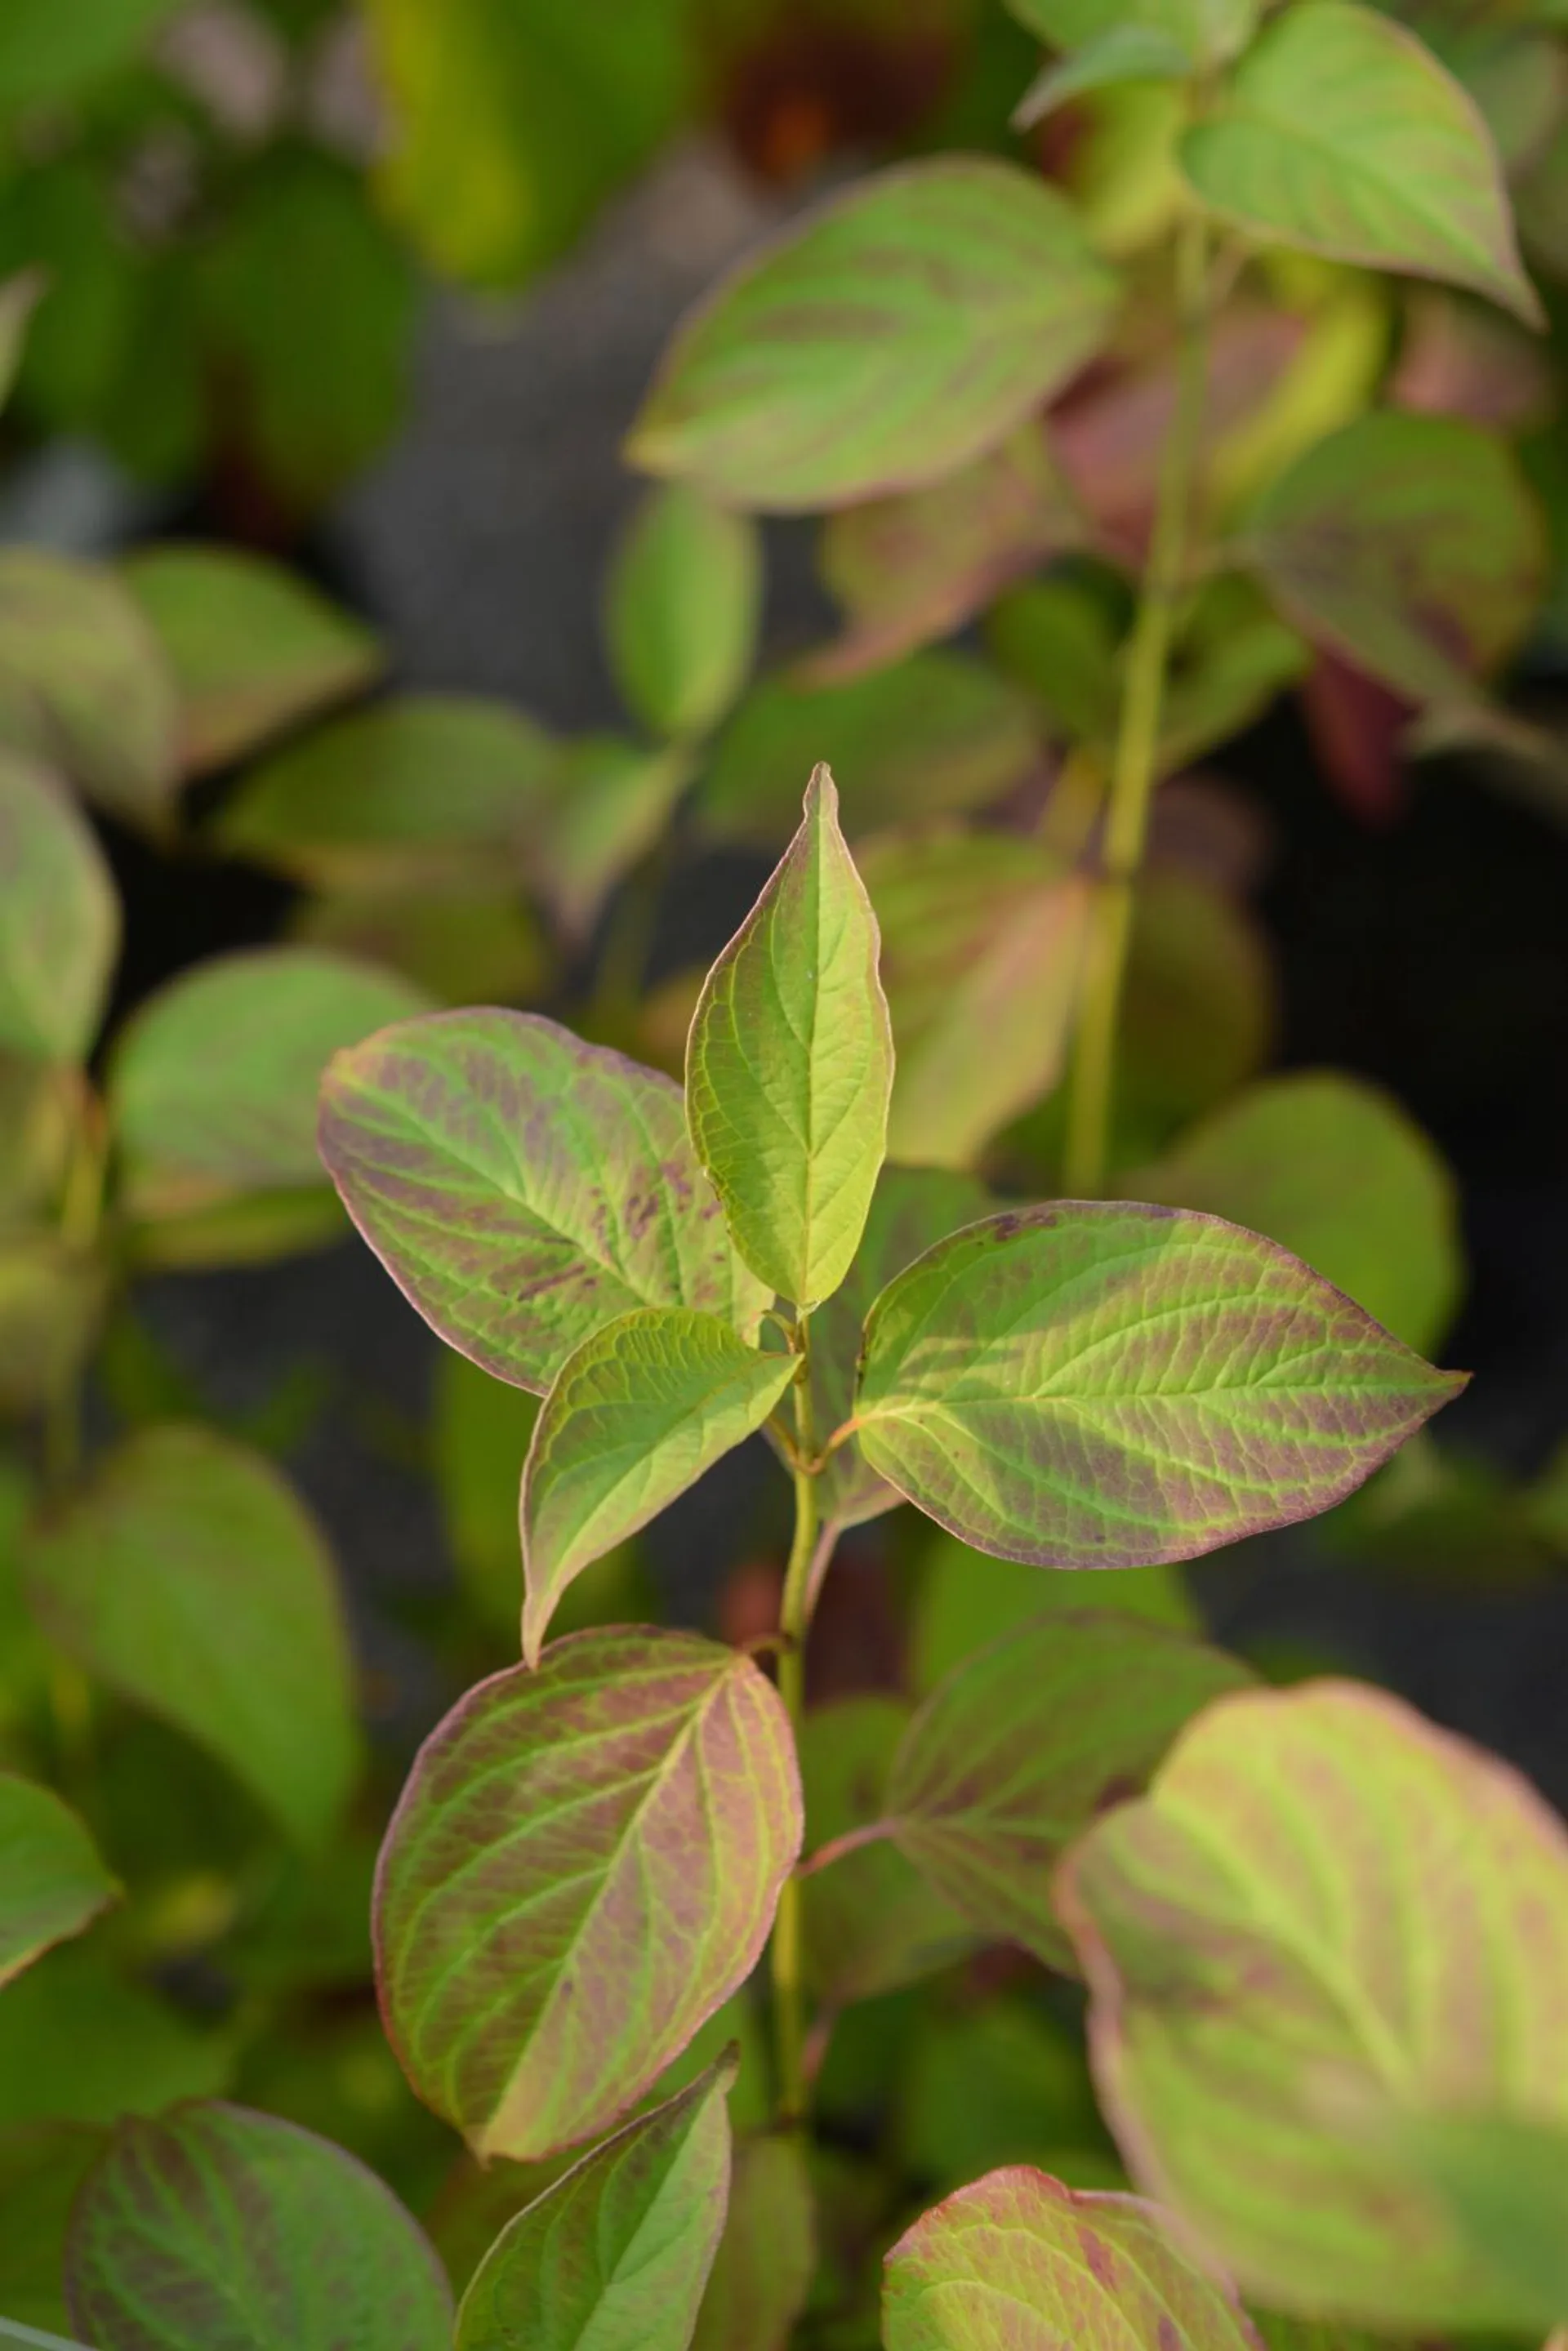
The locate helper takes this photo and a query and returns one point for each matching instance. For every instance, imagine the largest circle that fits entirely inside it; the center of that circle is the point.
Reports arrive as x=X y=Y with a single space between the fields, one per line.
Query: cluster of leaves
x=1081 y=1905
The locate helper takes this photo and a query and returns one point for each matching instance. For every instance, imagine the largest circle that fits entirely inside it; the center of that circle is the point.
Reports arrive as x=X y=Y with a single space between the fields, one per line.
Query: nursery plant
x=1082 y=1986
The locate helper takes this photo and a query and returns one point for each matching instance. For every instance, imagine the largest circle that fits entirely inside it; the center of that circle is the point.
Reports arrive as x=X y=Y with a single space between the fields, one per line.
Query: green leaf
x=516 y=1255
x=317 y=405
x=634 y=1417
x=459 y=942
x=79 y=2042
x=1410 y=545
x=938 y=732
x=1328 y=1925
x=964 y=1600
x=789 y=1065
x=542 y=1959
x=766 y=2257
x=1199 y=1012
x=685 y=605
x=611 y=804
x=509 y=127
x=902 y=330
x=1019 y=2260
x=618 y=2252
x=1123 y=52
x=20 y=298
x=84 y=686
x=59 y=918
x=917 y=565
x=1339 y=132
x=187 y=1576
x=212 y=1084
x=254 y=651
x=911 y=1208
x=982 y=941
x=1333 y=1169
x=871 y=1922
x=214 y=2228
x=47 y=54
x=1016 y=1751
x=52 y=1296
x=1504 y=2181
x=52 y=1882
x=1004 y=2081
x=420 y=787
x=1092 y=1385
x=1058 y=638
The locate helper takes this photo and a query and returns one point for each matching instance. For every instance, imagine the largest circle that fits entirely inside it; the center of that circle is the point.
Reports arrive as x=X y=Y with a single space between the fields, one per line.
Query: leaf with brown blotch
x=1014 y=1754
x=1018 y=2262
x=1327 y=1952
x=584 y=1865
x=523 y=1189
x=1101 y=1384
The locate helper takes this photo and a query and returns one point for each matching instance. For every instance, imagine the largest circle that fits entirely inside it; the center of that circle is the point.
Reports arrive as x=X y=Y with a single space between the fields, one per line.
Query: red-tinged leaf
x=910 y=568
x=1095 y=1384
x=1411 y=545
x=1014 y=1754
x=1357 y=728
x=584 y=1865
x=214 y=2228
x=1018 y=2262
x=523 y=1189
x=52 y=1882
x=617 y=2252
x=911 y=1208
x=1458 y=358
x=906 y=327
x=1330 y=1937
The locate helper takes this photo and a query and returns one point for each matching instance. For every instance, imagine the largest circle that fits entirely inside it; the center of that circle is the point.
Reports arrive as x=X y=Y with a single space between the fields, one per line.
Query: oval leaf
x=523 y=1189
x=1340 y=132
x=1014 y=1754
x=636 y=1416
x=1328 y=1923
x=253 y=649
x=685 y=598
x=1411 y=546
x=902 y=330
x=52 y=1882
x=1098 y=1384
x=421 y=786
x=766 y=2257
x=59 y=918
x=916 y=565
x=1019 y=2261
x=617 y=2252
x=938 y=732
x=911 y=1208
x=789 y=1065
x=187 y=1576
x=83 y=682
x=217 y=2229
x=213 y=1082
x=1331 y=1168
x=1207 y=31
x=584 y=1865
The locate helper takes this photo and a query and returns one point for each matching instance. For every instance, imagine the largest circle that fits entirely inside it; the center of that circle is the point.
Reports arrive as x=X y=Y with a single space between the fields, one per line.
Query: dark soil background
x=1432 y=956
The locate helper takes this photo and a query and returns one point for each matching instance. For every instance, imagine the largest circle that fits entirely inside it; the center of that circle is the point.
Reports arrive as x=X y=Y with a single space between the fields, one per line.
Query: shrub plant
x=1091 y=1989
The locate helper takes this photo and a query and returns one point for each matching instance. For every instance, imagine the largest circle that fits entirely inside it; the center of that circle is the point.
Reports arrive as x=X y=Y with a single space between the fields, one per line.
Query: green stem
x=1136 y=765
x=794 y=1619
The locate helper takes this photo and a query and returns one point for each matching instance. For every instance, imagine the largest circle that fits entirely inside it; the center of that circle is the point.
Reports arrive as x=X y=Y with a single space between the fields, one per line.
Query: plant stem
x=1136 y=764
x=787 y=1953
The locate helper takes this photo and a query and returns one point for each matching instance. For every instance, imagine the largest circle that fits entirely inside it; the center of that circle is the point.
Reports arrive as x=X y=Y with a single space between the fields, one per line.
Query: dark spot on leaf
x=1101 y=2260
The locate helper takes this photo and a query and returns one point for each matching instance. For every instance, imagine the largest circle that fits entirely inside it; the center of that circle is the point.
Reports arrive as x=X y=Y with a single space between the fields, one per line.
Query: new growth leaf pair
x=1077 y=1386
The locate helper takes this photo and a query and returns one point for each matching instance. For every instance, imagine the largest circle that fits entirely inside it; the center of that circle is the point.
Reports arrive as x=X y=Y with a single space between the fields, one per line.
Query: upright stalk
x=787 y=1948
x=1135 y=763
